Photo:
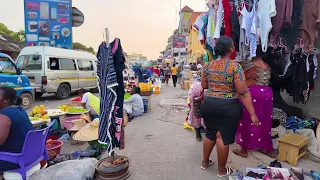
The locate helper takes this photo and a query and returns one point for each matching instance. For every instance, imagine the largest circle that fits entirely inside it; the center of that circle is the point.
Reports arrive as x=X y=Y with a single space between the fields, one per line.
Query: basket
x=147 y=93
x=53 y=148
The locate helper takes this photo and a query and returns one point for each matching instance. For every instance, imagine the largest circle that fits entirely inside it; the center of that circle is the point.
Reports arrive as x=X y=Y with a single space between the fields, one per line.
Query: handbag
x=197 y=103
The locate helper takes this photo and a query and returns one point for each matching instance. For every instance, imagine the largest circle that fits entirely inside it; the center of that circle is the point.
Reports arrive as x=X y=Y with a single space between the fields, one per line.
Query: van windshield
x=29 y=62
x=6 y=66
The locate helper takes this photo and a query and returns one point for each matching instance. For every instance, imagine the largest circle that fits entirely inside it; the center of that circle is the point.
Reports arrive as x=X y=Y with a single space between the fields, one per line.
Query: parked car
x=57 y=70
x=10 y=75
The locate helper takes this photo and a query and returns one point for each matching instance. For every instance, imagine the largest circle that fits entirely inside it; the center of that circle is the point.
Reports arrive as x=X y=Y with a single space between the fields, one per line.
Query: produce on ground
x=39 y=112
x=144 y=87
x=77 y=110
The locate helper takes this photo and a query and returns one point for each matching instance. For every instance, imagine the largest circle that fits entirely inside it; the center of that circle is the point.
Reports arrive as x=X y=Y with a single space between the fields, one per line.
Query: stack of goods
x=146 y=89
x=39 y=113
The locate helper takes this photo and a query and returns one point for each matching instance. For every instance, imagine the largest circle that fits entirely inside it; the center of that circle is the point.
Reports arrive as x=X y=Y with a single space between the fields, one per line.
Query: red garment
x=227 y=22
x=157 y=71
x=152 y=70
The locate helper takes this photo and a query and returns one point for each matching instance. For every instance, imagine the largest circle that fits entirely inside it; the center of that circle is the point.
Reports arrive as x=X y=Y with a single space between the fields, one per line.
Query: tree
x=18 y=36
x=80 y=46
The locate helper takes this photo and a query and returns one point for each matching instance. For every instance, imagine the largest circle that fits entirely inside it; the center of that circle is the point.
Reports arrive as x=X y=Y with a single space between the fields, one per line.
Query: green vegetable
x=77 y=110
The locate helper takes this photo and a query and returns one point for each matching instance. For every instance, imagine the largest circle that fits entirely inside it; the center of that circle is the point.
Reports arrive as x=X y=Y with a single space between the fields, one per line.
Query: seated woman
x=14 y=125
x=91 y=102
x=134 y=105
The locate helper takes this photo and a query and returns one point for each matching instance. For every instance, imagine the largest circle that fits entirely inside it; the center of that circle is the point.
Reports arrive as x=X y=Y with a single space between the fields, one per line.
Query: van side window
x=67 y=64
x=54 y=64
x=62 y=64
x=85 y=65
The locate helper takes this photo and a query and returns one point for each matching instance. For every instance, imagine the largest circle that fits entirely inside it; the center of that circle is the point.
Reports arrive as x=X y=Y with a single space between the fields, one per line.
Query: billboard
x=179 y=41
x=48 y=23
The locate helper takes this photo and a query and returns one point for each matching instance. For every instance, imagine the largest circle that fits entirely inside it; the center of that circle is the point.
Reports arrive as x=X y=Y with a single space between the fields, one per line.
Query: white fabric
x=315 y=62
x=135 y=102
x=68 y=170
x=198 y=25
x=217 y=29
x=199 y=67
x=85 y=99
x=243 y=19
x=265 y=13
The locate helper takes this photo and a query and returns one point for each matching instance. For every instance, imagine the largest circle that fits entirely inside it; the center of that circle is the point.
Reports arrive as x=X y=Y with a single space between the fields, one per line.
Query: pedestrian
x=91 y=102
x=222 y=110
x=174 y=73
x=14 y=126
x=134 y=105
x=251 y=137
x=167 y=73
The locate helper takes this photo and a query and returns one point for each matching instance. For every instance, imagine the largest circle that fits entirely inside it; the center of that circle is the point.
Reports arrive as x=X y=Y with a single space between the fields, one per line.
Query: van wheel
x=27 y=100
x=63 y=91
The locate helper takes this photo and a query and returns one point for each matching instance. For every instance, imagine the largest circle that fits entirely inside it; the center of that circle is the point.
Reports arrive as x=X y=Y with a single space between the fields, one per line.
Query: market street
x=160 y=148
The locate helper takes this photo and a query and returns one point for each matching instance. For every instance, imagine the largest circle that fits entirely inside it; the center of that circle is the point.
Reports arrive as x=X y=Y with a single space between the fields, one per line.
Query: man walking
x=174 y=72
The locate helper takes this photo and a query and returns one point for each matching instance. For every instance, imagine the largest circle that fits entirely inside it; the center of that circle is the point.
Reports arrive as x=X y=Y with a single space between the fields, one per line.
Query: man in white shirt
x=134 y=105
x=90 y=102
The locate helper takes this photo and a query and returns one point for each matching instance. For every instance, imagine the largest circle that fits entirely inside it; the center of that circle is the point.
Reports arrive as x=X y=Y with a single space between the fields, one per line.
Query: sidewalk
x=160 y=148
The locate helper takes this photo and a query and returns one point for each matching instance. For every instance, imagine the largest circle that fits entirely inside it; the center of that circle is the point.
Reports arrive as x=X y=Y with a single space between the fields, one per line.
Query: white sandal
x=230 y=170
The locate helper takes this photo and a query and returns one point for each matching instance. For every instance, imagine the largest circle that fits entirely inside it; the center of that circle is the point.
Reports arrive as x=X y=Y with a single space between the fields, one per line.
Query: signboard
x=187 y=15
x=77 y=17
x=179 y=41
x=48 y=23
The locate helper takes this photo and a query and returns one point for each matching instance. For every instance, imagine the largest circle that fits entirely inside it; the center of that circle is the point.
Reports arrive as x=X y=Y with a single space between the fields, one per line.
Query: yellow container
x=156 y=92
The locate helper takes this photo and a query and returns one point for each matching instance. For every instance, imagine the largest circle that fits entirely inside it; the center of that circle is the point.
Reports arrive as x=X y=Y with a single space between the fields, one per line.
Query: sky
x=142 y=25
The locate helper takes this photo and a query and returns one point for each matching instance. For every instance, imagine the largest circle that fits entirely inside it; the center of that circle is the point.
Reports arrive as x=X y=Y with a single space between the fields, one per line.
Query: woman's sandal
x=270 y=154
x=209 y=164
x=230 y=170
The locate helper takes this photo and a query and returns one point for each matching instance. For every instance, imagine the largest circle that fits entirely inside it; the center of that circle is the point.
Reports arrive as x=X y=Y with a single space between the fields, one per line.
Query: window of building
x=85 y=65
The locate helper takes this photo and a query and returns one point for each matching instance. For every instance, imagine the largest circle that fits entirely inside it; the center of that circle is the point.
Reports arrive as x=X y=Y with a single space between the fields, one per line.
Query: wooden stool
x=292 y=147
x=74 y=130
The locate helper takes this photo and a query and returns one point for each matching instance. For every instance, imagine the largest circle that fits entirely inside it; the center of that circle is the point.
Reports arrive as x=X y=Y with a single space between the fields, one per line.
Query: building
x=136 y=58
x=195 y=49
x=10 y=46
x=177 y=47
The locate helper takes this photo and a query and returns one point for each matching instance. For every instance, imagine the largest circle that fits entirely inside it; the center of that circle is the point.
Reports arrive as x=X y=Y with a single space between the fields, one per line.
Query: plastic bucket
x=53 y=148
x=17 y=176
x=145 y=105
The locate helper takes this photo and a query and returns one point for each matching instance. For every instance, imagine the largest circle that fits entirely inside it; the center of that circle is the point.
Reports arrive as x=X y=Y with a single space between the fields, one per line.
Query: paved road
x=50 y=101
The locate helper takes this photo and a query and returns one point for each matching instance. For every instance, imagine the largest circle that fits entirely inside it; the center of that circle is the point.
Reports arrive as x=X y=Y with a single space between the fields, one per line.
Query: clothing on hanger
x=310 y=22
x=108 y=69
x=265 y=13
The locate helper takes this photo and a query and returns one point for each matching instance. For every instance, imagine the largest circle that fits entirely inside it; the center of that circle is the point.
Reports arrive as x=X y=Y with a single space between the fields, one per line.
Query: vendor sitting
x=91 y=102
x=14 y=126
x=134 y=105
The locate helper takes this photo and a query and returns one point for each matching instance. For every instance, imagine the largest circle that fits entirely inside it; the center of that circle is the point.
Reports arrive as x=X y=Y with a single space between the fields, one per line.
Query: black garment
x=235 y=27
x=174 y=79
x=221 y=115
x=119 y=65
x=296 y=20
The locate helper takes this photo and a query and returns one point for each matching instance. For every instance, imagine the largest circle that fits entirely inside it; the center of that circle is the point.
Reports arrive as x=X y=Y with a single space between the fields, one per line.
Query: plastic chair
x=33 y=151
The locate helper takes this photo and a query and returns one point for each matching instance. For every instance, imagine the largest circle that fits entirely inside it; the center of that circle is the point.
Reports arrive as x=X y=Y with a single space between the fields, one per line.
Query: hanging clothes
x=252 y=35
x=218 y=24
x=265 y=12
x=282 y=18
x=107 y=72
x=296 y=20
x=310 y=23
x=243 y=40
x=235 y=26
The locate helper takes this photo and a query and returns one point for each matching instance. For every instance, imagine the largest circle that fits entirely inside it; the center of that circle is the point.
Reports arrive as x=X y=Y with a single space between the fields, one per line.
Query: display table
x=38 y=123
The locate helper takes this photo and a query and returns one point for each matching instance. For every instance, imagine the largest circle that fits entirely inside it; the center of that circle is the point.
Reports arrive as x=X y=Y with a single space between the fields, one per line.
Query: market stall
x=276 y=34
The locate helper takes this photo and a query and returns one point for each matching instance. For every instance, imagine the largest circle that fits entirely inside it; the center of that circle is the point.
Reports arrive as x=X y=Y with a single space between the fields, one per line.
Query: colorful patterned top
x=221 y=76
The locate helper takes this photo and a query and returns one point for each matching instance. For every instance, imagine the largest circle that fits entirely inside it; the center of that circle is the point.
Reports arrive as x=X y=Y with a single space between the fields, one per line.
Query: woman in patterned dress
x=225 y=83
x=250 y=137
